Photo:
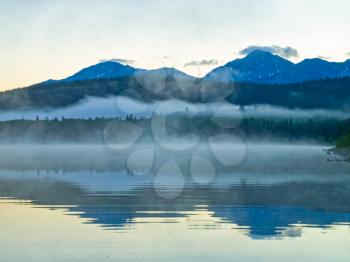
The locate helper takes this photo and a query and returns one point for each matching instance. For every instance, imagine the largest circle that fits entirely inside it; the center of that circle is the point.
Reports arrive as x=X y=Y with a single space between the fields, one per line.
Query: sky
x=45 y=39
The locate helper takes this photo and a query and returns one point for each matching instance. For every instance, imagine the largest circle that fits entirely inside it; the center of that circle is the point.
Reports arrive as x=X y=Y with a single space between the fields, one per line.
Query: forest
x=91 y=131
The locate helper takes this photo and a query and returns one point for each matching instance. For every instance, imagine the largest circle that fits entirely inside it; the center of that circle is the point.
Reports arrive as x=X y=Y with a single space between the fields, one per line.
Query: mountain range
x=257 y=67
x=110 y=69
x=260 y=78
x=264 y=67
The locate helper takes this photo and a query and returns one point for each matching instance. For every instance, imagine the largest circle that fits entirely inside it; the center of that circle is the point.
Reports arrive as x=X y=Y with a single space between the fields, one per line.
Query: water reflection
x=83 y=203
x=268 y=195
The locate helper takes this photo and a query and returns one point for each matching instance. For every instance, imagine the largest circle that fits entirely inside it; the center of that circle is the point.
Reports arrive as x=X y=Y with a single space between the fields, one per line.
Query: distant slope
x=318 y=94
x=110 y=69
x=266 y=68
x=343 y=146
x=344 y=143
x=147 y=86
x=321 y=94
x=164 y=72
x=103 y=70
x=257 y=67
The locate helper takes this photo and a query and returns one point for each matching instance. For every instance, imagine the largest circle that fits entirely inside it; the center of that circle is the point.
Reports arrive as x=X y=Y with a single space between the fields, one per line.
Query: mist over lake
x=93 y=107
x=120 y=172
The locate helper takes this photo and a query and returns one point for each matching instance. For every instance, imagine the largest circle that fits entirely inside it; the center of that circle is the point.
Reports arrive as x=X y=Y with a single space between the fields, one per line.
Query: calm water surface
x=67 y=203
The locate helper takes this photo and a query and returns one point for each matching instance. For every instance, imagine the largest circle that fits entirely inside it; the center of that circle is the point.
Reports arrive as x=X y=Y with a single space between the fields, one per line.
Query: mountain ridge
x=266 y=79
x=111 y=69
x=258 y=67
x=263 y=67
x=331 y=94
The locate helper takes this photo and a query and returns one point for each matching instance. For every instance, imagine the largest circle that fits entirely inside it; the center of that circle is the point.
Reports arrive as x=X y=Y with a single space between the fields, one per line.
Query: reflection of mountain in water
x=265 y=210
x=267 y=221
x=273 y=190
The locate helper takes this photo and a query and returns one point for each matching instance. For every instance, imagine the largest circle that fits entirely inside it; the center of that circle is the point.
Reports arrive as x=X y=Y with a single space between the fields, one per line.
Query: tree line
x=92 y=130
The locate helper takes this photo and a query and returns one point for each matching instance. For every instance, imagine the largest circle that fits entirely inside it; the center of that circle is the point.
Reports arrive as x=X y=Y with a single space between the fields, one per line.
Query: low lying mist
x=258 y=163
x=93 y=107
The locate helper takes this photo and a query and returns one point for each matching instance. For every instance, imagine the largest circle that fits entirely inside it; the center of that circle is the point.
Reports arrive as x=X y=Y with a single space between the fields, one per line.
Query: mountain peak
x=258 y=66
x=259 y=52
x=106 y=69
x=164 y=72
x=314 y=60
x=264 y=67
x=170 y=71
x=262 y=55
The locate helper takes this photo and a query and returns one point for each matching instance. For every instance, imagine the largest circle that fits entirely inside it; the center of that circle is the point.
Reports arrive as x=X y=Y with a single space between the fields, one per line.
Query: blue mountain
x=103 y=70
x=257 y=67
x=313 y=69
x=165 y=72
x=263 y=67
x=110 y=69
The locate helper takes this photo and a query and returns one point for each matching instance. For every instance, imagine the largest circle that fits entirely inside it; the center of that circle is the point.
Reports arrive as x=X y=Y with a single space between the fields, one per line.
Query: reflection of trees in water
x=261 y=160
x=266 y=210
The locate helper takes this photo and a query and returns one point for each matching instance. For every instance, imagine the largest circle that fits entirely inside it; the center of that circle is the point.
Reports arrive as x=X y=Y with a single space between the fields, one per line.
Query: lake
x=91 y=203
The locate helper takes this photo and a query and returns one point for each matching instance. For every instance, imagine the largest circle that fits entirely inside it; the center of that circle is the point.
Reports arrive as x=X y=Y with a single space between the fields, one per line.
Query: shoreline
x=343 y=152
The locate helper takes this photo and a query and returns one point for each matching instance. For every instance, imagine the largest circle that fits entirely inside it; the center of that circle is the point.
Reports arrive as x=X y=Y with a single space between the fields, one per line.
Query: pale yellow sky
x=43 y=39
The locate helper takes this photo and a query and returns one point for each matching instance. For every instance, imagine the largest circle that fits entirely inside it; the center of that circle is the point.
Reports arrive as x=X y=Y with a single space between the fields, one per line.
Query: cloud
x=324 y=57
x=118 y=60
x=286 y=52
x=202 y=63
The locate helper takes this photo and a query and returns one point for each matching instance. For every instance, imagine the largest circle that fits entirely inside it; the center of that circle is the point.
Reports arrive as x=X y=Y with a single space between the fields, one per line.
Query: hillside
x=344 y=142
x=265 y=68
x=322 y=94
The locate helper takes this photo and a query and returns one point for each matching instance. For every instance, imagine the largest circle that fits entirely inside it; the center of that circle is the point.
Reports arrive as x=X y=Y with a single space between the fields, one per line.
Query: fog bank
x=93 y=107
